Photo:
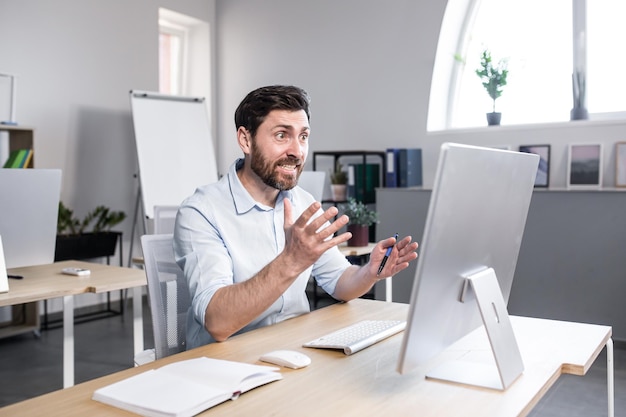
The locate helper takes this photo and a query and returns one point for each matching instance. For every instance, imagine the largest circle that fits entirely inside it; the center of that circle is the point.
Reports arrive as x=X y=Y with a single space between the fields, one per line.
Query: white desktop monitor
x=475 y=221
x=28 y=215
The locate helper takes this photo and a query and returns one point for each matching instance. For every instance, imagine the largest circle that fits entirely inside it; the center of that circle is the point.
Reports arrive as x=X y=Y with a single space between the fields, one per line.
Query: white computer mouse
x=289 y=358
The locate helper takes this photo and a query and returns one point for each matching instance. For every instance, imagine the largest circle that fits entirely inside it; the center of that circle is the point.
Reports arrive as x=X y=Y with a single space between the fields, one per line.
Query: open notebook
x=185 y=388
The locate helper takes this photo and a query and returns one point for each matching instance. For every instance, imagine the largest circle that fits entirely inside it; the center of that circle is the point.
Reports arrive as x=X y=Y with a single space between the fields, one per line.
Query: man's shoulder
x=210 y=194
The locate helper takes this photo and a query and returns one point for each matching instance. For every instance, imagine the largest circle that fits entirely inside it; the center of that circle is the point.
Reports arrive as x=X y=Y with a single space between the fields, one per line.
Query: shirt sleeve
x=201 y=254
x=329 y=268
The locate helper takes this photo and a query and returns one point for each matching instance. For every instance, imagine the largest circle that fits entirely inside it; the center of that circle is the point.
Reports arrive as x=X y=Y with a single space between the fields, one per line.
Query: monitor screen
x=314 y=182
x=28 y=215
x=475 y=221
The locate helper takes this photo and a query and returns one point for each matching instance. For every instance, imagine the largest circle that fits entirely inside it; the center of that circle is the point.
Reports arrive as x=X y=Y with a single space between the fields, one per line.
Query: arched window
x=543 y=42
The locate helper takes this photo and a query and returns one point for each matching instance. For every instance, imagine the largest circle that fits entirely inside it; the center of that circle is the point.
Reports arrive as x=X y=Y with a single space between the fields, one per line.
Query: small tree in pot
x=339 y=181
x=493 y=78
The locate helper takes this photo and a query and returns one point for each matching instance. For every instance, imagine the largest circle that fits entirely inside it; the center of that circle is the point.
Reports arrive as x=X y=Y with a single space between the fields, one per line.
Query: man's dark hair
x=255 y=107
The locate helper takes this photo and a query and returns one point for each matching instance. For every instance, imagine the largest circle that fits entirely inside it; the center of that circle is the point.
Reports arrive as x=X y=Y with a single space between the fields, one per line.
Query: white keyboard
x=358 y=336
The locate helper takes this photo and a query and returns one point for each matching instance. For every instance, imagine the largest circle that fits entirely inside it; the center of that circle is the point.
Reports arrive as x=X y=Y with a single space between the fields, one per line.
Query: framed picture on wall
x=584 y=167
x=620 y=164
x=543 y=171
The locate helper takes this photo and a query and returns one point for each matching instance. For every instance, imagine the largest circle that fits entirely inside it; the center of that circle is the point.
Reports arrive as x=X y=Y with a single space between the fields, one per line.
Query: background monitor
x=4 y=280
x=475 y=221
x=314 y=182
x=28 y=215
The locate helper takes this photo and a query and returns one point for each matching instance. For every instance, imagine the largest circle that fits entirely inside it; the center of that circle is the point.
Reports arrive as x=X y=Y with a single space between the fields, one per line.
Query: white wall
x=368 y=67
x=76 y=62
x=557 y=135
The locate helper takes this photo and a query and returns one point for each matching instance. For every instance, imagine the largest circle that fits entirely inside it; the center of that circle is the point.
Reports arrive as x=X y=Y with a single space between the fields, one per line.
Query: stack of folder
x=404 y=167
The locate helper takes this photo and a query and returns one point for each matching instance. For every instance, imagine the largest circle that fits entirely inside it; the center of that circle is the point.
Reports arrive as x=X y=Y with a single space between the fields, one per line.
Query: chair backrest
x=164 y=219
x=168 y=294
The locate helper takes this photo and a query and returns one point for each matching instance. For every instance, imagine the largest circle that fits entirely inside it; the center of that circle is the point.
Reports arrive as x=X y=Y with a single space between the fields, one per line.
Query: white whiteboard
x=174 y=147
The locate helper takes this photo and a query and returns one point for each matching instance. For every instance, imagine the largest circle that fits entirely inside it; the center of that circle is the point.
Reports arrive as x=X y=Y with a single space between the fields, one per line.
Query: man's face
x=280 y=147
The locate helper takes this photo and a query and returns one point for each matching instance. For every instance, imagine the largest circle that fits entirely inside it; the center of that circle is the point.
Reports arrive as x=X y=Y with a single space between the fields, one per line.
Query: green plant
x=493 y=77
x=101 y=218
x=359 y=213
x=339 y=176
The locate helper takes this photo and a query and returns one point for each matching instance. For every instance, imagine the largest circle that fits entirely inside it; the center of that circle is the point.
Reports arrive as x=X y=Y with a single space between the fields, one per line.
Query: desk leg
x=68 y=341
x=610 y=380
x=137 y=320
x=389 y=290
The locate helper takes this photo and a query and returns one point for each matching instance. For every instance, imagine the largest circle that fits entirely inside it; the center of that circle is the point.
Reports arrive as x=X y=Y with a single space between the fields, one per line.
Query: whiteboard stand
x=175 y=151
x=135 y=224
x=174 y=147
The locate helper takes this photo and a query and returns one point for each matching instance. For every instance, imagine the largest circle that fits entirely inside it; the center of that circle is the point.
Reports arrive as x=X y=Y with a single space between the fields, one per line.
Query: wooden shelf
x=19 y=138
x=363 y=156
x=25 y=317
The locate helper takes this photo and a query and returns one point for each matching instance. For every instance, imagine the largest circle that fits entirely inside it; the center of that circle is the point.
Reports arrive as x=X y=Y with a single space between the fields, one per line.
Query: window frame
x=167 y=27
x=454 y=39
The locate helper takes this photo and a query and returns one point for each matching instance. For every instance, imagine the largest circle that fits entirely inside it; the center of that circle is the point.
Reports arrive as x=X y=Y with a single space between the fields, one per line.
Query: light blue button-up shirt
x=222 y=236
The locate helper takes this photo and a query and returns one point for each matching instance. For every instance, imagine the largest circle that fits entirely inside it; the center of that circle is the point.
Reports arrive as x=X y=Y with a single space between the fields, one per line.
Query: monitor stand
x=508 y=364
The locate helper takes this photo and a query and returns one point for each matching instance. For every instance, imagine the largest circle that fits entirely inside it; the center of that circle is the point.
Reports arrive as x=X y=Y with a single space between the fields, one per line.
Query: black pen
x=15 y=276
x=389 y=249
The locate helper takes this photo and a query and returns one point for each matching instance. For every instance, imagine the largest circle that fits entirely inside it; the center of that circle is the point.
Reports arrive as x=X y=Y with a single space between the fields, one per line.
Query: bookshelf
x=363 y=188
x=19 y=137
x=24 y=317
x=358 y=157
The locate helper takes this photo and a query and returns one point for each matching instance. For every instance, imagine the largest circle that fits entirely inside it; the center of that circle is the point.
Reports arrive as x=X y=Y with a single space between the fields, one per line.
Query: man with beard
x=249 y=242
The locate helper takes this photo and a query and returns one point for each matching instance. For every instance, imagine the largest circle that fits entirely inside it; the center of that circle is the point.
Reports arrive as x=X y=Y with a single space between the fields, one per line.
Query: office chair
x=164 y=219
x=168 y=296
x=163 y=223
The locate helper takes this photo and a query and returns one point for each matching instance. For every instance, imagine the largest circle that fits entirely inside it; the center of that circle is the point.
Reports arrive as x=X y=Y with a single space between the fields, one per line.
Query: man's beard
x=267 y=172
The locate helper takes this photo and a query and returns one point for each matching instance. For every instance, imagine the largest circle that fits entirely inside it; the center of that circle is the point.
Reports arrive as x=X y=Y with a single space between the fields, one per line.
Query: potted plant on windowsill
x=493 y=78
x=75 y=242
x=339 y=181
x=361 y=218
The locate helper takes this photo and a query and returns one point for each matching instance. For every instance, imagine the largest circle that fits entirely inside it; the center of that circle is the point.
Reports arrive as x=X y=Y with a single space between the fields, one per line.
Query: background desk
x=365 y=383
x=44 y=282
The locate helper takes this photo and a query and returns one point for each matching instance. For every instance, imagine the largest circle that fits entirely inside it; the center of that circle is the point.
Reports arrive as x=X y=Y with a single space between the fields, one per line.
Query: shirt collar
x=242 y=198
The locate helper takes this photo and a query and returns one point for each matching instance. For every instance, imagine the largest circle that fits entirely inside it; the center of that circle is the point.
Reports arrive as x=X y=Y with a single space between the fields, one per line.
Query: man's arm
x=356 y=281
x=234 y=306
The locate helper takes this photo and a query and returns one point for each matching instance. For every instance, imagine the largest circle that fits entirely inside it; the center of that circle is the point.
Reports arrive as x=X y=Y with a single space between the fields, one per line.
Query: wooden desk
x=356 y=250
x=44 y=282
x=365 y=383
